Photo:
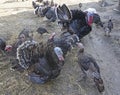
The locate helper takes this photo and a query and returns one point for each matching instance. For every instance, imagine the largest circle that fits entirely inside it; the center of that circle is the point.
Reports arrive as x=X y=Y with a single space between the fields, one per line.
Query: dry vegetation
x=14 y=16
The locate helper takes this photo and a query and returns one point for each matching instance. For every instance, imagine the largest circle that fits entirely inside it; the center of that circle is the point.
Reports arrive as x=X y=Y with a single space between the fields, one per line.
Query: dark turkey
x=41 y=30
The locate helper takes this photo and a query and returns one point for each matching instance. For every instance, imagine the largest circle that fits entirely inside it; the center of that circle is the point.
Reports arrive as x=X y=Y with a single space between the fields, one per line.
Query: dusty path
x=100 y=47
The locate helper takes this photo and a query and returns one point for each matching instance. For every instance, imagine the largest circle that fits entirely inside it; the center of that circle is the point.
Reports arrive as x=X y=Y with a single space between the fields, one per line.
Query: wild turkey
x=44 y=61
x=88 y=63
x=73 y=20
x=80 y=5
x=42 y=30
x=108 y=27
x=22 y=37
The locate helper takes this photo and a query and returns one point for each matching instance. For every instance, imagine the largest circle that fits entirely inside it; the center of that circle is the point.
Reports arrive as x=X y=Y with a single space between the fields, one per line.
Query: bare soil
x=15 y=16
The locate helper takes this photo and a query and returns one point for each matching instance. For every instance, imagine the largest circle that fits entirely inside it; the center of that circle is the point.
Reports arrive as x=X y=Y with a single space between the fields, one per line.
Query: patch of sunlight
x=16 y=12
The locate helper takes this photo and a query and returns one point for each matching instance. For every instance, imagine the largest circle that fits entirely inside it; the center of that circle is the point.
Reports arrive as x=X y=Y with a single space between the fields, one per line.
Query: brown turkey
x=88 y=63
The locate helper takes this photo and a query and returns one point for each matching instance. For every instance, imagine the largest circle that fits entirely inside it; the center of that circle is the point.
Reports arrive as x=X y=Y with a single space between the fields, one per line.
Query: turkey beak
x=61 y=58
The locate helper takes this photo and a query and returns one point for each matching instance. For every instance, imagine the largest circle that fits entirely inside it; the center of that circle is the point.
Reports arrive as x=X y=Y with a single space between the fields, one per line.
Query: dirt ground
x=15 y=16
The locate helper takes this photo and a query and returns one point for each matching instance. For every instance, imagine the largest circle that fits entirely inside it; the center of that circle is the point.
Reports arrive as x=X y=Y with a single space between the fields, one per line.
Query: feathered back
x=64 y=13
x=79 y=15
